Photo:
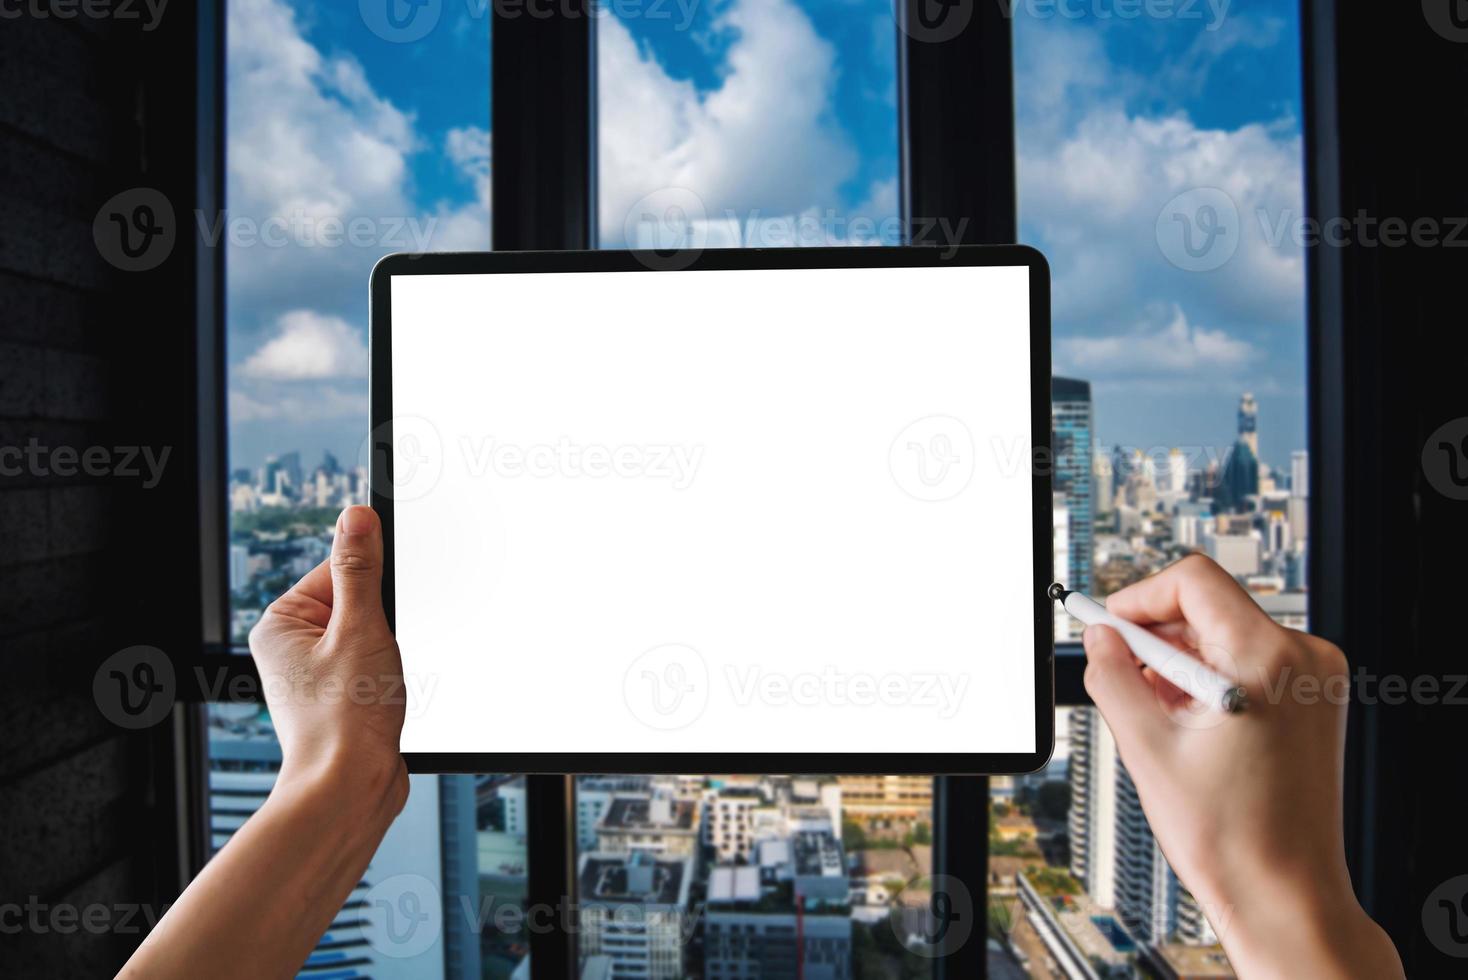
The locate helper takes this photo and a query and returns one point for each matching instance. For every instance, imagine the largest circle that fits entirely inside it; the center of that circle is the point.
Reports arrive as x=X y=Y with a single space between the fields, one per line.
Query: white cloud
x=1166 y=344
x=298 y=404
x=1094 y=176
x=312 y=142
x=764 y=143
x=308 y=346
x=306 y=130
x=467 y=227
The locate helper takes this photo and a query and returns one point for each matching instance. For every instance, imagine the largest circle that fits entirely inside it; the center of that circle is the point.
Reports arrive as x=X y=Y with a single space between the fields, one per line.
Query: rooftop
x=638 y=878
x=817 y=853
x=635 y=813
x=1195 y=961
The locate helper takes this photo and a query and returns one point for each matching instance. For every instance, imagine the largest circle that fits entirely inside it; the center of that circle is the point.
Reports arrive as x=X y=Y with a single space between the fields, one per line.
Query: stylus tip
x=1056 y=591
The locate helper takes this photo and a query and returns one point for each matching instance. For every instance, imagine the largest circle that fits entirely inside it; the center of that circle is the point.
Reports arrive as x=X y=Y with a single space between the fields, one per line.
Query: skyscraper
x=428 y=850
x=1093 y=765
x=1249 y=422
x=1060 y=539
x=1299 y=474
x=1177 y=472
x=1240 y=478
x=1072 y=425
x=1146 y=887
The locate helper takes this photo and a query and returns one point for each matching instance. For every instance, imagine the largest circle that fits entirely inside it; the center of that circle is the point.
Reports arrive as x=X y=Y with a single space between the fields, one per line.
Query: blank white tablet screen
x=715 y=511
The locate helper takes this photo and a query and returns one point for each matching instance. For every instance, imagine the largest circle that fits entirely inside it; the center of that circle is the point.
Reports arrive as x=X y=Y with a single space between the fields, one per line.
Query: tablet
x=775 y=510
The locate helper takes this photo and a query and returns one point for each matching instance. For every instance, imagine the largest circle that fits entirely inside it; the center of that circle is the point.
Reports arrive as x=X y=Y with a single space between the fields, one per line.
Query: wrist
x=1308 y=930
x=368 y=784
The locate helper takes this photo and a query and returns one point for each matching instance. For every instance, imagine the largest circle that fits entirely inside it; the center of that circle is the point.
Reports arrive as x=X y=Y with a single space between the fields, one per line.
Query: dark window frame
x=955 y=104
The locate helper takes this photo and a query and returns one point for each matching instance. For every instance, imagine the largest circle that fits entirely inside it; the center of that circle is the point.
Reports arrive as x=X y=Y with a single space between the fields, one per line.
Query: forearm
x=261 y=905
x=1326 y=935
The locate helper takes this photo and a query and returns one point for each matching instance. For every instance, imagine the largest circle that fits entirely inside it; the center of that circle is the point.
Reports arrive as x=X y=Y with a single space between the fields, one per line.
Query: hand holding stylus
x=1246 y=807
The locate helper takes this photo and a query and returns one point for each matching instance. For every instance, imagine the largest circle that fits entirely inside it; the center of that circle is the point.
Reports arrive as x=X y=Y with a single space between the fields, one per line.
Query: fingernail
x=356 y=520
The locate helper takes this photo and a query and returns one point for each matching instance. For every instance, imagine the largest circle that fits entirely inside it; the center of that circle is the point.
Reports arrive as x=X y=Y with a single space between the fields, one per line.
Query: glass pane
x=770 y=123
x=743 y=876
x=751 y=122
x=1160 y=171
x=1077 y=883
x=1159 y=157
x=347 y=138
x=444 y=895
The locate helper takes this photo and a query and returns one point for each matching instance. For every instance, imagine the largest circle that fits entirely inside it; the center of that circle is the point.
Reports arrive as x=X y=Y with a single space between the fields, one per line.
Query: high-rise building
x=655 y=824
x=1104 y=483
x=1240 y=479
x=1177 y=472
x=634 y=909
x=887 y=797
x=1072 y=425
x=1249 y=422
x=1060 y=537
x=1093 y=772
x=1146 y=888
x=594 y=795
x=429 y=850
x=783 y=917
x=1300 y=473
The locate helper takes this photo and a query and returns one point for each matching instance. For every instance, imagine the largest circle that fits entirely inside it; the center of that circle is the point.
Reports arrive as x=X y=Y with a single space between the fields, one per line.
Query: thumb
x=1127 y=699
x=356 y=569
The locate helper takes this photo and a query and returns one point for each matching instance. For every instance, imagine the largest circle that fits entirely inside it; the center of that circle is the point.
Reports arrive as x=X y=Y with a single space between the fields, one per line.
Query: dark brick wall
x=85 y=816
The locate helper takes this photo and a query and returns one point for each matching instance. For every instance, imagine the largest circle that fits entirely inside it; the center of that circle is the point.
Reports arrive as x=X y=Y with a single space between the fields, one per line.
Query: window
x=1178 y=422
x=348 y=138
x=1160 y=170
x=753 y=124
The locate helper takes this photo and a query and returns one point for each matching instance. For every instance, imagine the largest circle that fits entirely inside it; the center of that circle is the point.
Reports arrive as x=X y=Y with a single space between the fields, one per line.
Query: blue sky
x=768 y=110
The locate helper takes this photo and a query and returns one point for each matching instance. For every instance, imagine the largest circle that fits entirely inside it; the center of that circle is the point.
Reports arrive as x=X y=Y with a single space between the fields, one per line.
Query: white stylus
x=1179 y=668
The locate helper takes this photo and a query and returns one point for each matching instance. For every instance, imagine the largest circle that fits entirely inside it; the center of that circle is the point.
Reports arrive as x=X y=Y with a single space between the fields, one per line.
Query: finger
x=1169 y=696
x=1128 y=701
x=309 y=600
x=356 y=568
x=1195 y=591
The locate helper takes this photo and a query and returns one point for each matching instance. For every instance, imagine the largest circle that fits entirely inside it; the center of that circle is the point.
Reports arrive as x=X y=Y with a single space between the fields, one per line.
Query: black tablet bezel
x=662 y=263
